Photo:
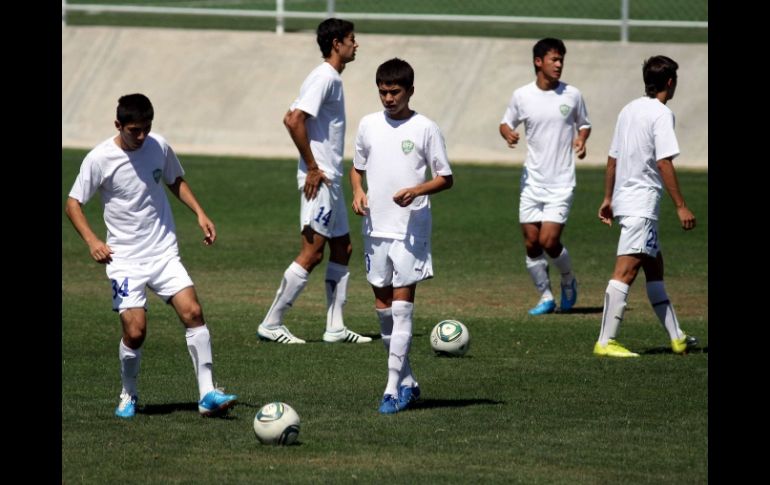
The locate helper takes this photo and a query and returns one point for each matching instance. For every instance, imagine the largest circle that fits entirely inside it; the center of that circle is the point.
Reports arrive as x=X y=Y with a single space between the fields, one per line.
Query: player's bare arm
x=670 y=181
x=579 y=145
x=98 y=249
x=360 y=201
x=181 y=189
x=404 y=197
x=605 y=210
x=295 y=123
x=511 y=137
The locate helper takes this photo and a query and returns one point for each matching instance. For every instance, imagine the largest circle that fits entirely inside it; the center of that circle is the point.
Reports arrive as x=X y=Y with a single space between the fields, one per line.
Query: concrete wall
x=224 y=92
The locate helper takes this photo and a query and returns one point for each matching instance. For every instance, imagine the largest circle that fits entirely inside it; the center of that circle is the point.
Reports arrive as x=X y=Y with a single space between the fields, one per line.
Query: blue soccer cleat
x=547 y=306
x=215 y=402
x=389 y=404
x=127 y=407
x=568 y=295
x=407 y=395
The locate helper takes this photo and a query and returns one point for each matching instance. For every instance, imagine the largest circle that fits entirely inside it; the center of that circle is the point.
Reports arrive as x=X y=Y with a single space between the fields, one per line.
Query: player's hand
x=314 y=178
x=360 y=203
x=605 y=212
x=209 y=231
x=404 y=197
x=579 y=145
x=511 y=137
x=101 y=253
x=686 y=217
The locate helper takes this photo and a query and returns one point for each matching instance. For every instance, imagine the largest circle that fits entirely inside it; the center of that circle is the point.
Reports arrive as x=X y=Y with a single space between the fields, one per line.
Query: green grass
x=596 y=9
x=529 y=403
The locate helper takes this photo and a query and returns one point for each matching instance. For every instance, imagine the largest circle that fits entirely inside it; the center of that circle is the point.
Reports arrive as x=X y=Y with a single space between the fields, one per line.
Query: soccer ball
x=276 y=423
x=450 y=337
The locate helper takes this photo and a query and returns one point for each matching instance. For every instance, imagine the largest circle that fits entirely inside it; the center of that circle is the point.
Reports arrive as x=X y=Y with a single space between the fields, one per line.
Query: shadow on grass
x=583 y=310
x=667 y=350
x=168 y=408
x=452 y=403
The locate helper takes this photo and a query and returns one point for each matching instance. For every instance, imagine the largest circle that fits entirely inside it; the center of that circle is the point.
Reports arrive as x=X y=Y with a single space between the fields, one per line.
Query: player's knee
x=134 y=337
x=192 y=314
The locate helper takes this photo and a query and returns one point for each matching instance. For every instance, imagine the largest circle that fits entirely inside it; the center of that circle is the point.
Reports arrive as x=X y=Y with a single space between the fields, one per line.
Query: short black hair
x=134 y=108
x=331 y=29
x=543 y=46
x=656 y=71
x=395 y=71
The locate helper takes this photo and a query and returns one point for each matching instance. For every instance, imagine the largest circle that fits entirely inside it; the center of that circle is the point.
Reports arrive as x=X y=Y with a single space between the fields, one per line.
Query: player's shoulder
x=530 y=87
x=570 y=89
x=424 y=121
x=101 y=151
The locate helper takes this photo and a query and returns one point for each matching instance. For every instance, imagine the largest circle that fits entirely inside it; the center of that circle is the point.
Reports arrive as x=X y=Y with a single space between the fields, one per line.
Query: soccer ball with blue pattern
x=276 y=423
x=451 y=338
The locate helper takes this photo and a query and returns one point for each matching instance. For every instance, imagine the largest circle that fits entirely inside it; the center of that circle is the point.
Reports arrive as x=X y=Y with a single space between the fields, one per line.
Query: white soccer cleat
x=279 y=334
x=345 y=335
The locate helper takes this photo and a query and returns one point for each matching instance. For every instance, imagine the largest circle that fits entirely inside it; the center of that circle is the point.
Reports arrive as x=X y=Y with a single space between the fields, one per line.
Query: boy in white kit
x=639 y=165
x=129 y=171
x=394 y=148
x=316 y=124
x=556 y=123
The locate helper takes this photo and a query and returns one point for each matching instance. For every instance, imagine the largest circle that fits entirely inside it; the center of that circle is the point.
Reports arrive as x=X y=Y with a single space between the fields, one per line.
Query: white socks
x=386 y=329
x=656 y=292
x=292 y=284
x=199 y=346
x=129 y=367
x=336 y=291
x=400 y=341
x=615 y=299
x=538 y=270
x=564 y=264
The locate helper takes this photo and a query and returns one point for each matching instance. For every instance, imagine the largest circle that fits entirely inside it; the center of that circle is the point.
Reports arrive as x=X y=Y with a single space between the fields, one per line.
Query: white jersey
x=551 y=121
x=321 y=96
x=395 y=155
x=137 y=213
x=643 y=135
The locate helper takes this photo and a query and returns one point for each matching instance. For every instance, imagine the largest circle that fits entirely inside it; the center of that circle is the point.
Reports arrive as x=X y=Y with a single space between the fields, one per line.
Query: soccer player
x=129 y=171
x=394 y=148
x=639 y=165
x=316 y=123
x=556 y=124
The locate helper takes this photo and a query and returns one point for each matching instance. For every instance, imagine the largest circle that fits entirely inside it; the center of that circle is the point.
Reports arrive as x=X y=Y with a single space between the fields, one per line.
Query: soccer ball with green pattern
x=451 y=338
x=276 y=423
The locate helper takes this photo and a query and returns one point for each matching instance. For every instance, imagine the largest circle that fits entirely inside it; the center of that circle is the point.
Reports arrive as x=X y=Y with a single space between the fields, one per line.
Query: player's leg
x=315 y=219
x=129 y=299
x=172 y=283
x=134 y=323
x=656 y=293
x=558 y=203
x=615 y=300
x=531 y=208
x=537 y=267
x=400 y=342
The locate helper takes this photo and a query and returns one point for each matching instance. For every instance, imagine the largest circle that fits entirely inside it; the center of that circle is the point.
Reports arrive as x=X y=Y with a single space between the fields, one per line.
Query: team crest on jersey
x=407 y=146
x=564 y=109
x=156 y=174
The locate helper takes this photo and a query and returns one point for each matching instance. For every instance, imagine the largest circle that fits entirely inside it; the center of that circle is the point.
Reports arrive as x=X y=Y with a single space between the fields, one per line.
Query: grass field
x=690 y=10
x=529 y=403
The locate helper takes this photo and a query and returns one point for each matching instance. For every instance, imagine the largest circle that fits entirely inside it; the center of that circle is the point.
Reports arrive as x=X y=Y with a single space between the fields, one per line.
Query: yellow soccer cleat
x=613 y=349
x=682 y=345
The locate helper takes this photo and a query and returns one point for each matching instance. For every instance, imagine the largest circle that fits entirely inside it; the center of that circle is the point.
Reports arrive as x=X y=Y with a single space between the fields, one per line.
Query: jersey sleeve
x=666 y=144
x=313 y=95
x=361 y=149
x=173 y=168
x=581 y=114
x=436 y=152
x=511 y=115
x=88 y=180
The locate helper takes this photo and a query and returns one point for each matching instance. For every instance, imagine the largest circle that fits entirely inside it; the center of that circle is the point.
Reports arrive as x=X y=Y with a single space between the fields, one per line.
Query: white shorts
x=638 y=235
x=396 y=262
x=165 y=276
x=327 y=213
x=539 y=204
